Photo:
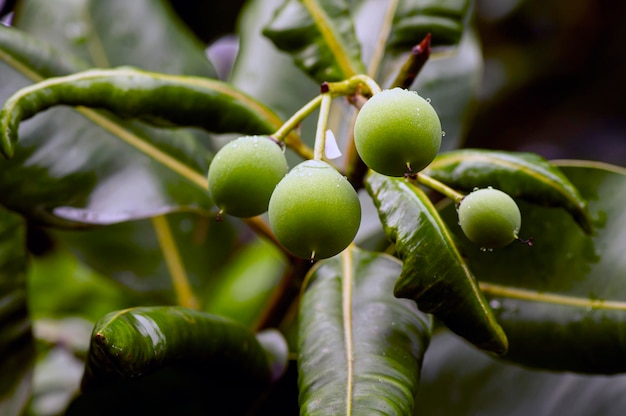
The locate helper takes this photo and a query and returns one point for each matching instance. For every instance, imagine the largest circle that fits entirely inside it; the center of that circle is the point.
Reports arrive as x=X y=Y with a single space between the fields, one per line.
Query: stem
x=174 y=264
x=296 y=119
x=293 y=142
x=440 y=187
x=414 y=63
x=352 y=86
x=261 y=228
x=322 y=124
x=284 y=295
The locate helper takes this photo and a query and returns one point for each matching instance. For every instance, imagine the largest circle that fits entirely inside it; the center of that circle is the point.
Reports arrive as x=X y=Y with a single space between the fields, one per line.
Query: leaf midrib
x=544 y=178
x=495 y=290
x=346 y=294
x=330 y=37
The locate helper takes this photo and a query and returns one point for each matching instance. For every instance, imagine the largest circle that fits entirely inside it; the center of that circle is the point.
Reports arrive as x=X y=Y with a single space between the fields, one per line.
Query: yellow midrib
x=464 y=158
x=347 y=284
x=330 y=37
x=495 y=290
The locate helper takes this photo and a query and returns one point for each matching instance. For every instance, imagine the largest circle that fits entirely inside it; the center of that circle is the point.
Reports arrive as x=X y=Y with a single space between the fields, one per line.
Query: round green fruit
x=397 y=132
x=314 y=211
x=244 y=173
x=489 y=218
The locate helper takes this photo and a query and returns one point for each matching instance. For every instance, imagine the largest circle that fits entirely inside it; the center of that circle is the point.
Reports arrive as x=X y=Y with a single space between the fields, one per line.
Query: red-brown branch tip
x=411 y=68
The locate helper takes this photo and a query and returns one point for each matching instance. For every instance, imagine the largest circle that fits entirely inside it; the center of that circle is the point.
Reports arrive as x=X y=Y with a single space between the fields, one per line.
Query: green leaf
x=141 y=33
x=414 y=19
x=522 y=175
x=81 y=164
x=320 y=35
x=33 y=58
x=134 y=342
x=360 y=349
x=133 y=93
x=17 y=348
x=60 y=286
x=459 y=380
x=264 y=72
x=247 y=282
x=561 y=301
x=434 y=273
x=139 y=258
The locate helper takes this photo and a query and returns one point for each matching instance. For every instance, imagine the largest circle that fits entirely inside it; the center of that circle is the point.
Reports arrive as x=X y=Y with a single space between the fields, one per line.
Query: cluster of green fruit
x=398 y=133
x=314 y=211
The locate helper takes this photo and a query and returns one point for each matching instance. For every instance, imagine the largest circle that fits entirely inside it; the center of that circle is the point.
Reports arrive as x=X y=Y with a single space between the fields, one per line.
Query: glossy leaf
x=459 y=380
x=521 y=175
x=414 y=19
x=434 y=274
x=129 y=92
x=134 y=342
x=360 y=348
x=17 y=348
x=141 y=33
x=561 y=301
x=91 y=163
x=320 y=35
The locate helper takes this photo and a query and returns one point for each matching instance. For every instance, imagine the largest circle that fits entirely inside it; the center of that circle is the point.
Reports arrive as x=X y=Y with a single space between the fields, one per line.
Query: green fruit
x=314 y=211
x=397 y=132
x=244 y=173
x=489 y=218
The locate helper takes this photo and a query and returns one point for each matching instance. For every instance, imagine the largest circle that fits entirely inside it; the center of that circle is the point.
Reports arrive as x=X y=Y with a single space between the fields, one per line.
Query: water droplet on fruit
x=428 y=100
x=486 y=250
x=443 y=133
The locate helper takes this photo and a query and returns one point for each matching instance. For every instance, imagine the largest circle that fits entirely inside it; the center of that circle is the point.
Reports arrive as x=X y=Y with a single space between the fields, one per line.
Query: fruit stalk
x=434 y=184
x=322 y=125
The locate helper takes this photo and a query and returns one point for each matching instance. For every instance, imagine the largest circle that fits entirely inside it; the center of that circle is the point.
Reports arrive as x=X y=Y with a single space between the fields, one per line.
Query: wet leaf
x=137 y=341
x=561 y=301
x=414 y=19
x=320 y=35
x=521 y=175
x=360 y=348
x=434 y=274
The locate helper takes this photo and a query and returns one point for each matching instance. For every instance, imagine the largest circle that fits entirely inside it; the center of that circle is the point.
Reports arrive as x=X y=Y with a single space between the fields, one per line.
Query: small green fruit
x=244 y=173
x=489 y=218
x=314 y=211
x=397 y=132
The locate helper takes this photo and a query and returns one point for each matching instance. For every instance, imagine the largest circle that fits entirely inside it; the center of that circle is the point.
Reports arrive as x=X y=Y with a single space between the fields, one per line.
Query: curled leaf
x=320 y=35
x=415 y=19
x=433 y=272
x=159 y=98
x=522 y=175
x=134 y=342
